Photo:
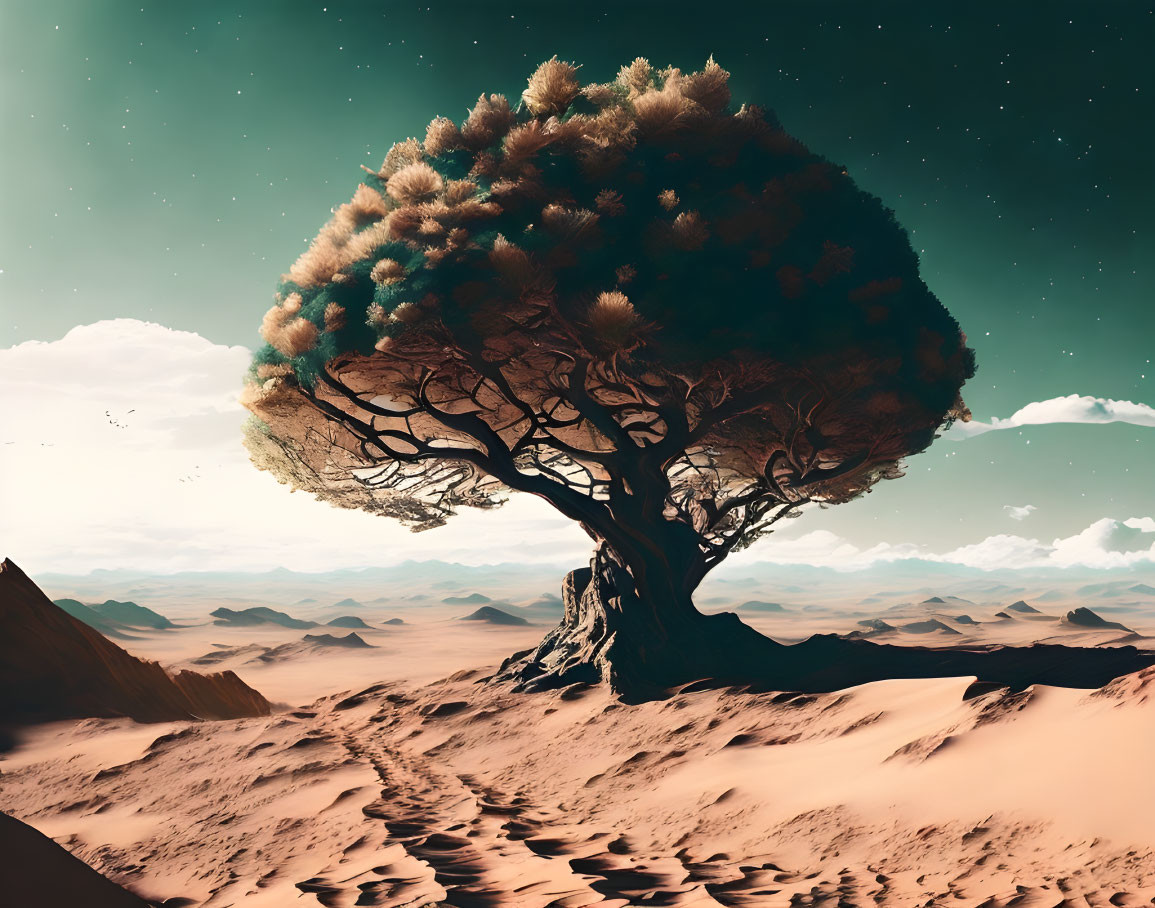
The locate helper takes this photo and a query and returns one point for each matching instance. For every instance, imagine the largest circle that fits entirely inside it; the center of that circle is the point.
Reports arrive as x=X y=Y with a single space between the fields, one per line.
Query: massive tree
x=662 y=315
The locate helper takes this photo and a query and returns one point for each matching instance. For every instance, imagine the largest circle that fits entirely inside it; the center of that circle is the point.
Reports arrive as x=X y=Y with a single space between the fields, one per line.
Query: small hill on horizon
x=930 y=626
x=1084 y=617
x=393 y=621
x=471 y=599
x=256 y=655
x=346 y=621
x=756 y=605
x=347 y=603
x=353 y=641
x=872 y=627
x=491 y=615
x=258 y=615
x=132 y=614
x=1023 y=608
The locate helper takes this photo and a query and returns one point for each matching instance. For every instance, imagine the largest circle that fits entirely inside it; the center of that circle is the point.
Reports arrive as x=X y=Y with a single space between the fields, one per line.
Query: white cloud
x=1107 y=543
x=1070 y=409
x=1016 y=512
x=826 y=549
x=1000 y=551
x=120 y=447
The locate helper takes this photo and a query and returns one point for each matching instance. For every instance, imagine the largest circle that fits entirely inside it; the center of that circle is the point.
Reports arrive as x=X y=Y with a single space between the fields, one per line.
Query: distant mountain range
x=113 y=618
x=320 y=597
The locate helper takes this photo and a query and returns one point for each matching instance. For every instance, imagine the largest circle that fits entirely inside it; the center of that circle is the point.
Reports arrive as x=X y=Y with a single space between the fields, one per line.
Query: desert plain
x=393 y=770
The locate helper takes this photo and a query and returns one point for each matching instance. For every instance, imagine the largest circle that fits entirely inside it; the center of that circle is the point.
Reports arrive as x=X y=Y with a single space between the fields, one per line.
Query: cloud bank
x=1070 y=409
x=120 y=447
x=1107 y=543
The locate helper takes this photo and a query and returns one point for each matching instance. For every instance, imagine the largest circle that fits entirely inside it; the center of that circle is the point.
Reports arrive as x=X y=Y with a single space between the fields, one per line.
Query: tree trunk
x=637 y=630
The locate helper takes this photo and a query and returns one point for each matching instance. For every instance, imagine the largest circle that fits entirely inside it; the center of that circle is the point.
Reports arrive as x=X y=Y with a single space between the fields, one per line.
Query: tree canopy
x=629 y=298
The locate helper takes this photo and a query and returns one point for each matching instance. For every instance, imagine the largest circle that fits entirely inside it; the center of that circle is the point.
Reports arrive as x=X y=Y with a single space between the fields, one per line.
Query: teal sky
x=168 y=161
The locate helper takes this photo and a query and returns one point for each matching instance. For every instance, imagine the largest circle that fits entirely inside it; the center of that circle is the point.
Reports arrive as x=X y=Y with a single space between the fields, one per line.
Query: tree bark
x=635 y=627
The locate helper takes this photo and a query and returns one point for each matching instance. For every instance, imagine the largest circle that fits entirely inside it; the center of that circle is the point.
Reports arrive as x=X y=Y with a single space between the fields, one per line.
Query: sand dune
x=255 y=654
x=435 y=796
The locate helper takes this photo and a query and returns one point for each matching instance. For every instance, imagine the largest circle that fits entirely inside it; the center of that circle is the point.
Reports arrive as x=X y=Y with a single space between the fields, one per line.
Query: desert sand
x=401 y=774
x=895 y=793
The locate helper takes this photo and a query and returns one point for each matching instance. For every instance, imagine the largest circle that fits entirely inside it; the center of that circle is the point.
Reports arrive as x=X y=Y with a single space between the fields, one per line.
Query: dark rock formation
x=1084 y=617
x=53 y=666
x=43 y=874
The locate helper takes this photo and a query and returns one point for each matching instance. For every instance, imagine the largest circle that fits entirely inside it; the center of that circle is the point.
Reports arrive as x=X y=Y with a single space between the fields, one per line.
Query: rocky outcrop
x=1084 y=617
x=53 y=666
